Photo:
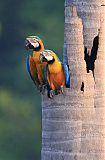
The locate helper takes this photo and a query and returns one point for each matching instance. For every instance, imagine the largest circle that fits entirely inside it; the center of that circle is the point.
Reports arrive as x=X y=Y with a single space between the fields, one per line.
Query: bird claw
x=62 y=89
x=51 y=94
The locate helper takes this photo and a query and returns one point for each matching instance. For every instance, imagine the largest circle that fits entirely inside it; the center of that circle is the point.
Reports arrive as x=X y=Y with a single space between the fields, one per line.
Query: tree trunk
x=73 y=124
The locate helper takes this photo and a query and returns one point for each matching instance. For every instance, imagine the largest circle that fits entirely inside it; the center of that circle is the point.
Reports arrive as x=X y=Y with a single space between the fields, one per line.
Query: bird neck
x=36 y=53
x=55 y=67
x=36 y=56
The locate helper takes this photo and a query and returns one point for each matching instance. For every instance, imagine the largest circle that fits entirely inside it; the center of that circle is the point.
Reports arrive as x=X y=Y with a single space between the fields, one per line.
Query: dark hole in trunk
x=82 y=86
x=92 y=56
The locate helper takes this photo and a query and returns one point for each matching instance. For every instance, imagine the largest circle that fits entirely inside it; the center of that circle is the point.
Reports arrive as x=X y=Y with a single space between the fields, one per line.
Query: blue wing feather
x=67 y=75
x=28 y=67
x=45 y=73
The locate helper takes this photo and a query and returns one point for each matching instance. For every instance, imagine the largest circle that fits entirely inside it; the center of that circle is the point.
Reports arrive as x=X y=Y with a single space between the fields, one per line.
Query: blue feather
x=28 y=67
x=67 y=75
x=45 y=73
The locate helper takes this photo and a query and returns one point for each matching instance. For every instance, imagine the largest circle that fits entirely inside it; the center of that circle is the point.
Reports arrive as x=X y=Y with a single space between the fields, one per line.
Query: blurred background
x=20 y=102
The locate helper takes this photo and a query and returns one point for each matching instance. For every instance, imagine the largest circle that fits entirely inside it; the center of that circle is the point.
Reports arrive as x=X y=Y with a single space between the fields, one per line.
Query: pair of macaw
x=45 y=68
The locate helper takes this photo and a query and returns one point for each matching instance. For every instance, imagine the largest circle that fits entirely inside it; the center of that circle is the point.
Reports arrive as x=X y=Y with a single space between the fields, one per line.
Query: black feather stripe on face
x=52 y=61
x=31 y=46
x=38 y=48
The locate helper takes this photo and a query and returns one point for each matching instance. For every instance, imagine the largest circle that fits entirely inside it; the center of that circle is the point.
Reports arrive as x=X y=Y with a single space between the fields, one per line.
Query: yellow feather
x=56 y=66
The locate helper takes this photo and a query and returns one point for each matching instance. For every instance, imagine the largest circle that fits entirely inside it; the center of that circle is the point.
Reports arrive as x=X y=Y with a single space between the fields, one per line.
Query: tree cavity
x=91 y=55
x=82 y=87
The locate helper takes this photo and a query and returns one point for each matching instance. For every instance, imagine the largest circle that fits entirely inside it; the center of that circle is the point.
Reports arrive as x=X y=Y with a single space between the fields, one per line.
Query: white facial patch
x=48 y=57
x=35 y=44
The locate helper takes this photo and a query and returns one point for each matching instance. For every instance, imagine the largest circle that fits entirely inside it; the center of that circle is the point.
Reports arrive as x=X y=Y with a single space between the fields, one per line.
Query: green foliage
x=19 y=127
x=20 y=107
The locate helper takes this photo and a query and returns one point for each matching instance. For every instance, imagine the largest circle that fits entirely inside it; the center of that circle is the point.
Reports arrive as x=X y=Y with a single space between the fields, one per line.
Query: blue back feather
x=67 y=75
x=45 y=73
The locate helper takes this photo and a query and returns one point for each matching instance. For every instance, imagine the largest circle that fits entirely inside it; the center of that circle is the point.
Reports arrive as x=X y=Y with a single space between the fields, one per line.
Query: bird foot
x=62 y=89
x=51 y=94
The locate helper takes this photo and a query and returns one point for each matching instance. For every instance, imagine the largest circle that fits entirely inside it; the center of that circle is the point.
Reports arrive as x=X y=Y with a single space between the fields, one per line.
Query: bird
x=34 y=66
x=56 y=74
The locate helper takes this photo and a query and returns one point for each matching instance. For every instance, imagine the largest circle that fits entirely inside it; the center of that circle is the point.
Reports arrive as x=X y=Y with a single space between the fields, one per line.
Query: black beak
x=42 y=58
x=28 y=45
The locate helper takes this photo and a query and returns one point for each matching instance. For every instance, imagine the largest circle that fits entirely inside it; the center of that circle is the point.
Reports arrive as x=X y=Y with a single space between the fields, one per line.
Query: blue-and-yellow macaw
x=56 y=74
x=34 y=65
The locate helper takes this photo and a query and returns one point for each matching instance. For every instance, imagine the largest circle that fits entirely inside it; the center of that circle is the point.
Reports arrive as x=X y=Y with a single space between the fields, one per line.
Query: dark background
x=20 y=102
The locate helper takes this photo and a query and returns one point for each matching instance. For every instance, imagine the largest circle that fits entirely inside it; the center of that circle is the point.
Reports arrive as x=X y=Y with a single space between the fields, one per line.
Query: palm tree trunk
x=73 y=124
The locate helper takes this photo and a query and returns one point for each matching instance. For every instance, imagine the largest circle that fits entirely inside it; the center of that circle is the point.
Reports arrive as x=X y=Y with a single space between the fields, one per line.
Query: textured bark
x=73 y=125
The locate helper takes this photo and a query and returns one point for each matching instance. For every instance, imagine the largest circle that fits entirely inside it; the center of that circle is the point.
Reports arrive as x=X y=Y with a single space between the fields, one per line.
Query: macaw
x=56 y=74
x=34 y=65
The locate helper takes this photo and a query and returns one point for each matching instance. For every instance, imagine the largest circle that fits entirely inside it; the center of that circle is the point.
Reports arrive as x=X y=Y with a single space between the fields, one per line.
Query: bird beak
x=27 y=44
x=42 y=58
x=30 y=43
x=46 y=57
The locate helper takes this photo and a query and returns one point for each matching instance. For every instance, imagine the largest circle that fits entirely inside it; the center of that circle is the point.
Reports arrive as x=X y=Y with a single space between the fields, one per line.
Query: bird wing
x=46 y=77
x=31 y=67
x=67 y=74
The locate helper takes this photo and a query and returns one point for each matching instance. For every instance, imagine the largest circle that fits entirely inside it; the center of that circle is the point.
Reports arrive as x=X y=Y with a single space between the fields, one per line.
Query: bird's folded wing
x=67 y=75
x=31 y=67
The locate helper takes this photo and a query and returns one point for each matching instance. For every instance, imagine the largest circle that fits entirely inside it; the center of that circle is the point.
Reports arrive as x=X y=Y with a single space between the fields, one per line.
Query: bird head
x=47 y=56
x=34 y=42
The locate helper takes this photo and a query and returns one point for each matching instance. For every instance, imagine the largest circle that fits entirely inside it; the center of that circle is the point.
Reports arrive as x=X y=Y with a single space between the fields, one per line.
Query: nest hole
x=91 y=55
x=82 y=87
